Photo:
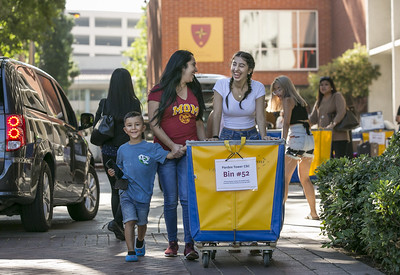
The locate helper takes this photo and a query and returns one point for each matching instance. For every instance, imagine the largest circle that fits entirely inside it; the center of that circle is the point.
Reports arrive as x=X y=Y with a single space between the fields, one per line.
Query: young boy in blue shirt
x=138 y=160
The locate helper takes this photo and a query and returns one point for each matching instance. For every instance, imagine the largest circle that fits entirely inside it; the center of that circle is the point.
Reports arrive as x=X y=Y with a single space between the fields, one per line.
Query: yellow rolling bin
x=238 y=219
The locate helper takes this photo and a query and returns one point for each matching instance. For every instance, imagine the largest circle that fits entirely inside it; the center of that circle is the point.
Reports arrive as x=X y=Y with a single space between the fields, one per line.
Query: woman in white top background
x=241 y=100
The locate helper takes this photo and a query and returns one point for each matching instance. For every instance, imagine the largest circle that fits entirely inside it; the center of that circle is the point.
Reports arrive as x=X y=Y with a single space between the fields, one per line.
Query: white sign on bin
x=377 y=137
x=236 y=174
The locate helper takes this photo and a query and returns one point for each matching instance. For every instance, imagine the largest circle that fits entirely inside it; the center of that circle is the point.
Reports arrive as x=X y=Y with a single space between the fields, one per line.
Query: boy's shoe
x=190 y=253
x=172 y=250
x=118 y=231
x=140 y=251
x=131 y=258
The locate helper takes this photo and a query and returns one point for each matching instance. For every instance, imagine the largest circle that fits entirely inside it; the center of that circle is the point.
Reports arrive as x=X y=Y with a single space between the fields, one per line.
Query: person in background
x=120 y=100
x=241 y=102
x=299 y=139
x=328 y=111
x=138 y=160
x=176 y=108
x=398 y=116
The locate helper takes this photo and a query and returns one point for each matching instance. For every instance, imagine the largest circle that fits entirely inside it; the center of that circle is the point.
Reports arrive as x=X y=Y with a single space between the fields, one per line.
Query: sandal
x=309 y=217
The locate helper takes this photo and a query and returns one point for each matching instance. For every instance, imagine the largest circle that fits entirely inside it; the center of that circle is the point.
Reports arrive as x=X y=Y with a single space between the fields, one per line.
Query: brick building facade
x=319 y=30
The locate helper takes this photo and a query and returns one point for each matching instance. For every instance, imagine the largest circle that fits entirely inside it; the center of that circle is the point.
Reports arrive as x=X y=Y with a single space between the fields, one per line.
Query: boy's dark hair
x=133 y=114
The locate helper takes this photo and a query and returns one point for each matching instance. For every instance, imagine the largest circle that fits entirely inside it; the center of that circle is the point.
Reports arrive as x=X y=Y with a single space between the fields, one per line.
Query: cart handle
x=229 y=148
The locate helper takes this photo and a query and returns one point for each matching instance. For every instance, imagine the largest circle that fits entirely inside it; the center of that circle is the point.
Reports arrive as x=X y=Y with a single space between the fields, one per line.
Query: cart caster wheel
x=267 y=258
x=206 y=259
x=213 y=254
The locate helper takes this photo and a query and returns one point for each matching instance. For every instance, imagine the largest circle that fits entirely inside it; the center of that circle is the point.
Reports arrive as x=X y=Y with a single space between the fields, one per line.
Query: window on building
x=107 y=54
x=130 y=41
x=108 y=41
x=82 y=22
x=97 y=94
x=81 y=54
x=132 y=23
x=280 y=40
x=81 y=39
x=107 y=22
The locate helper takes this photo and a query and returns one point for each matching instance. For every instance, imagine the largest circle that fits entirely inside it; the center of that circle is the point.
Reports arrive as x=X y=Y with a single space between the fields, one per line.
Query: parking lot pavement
x=87 y=248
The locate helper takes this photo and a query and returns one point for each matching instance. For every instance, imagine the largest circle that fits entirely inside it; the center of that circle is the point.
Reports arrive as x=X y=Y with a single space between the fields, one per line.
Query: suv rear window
x=52 y=98
x=30 y=89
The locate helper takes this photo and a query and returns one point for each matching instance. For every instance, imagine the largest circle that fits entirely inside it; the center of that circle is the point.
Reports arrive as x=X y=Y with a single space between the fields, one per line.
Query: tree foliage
x=22 y=21
x=137 y=64
x=352 y=74
x=56 y=51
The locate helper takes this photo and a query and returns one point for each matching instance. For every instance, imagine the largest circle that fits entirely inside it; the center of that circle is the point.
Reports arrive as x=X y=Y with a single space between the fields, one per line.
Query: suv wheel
x=88 y=207
x=37 y=216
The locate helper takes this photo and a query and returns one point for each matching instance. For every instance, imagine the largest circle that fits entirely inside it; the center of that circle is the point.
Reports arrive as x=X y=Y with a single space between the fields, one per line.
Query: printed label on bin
x=377 y=137
x=236 y=174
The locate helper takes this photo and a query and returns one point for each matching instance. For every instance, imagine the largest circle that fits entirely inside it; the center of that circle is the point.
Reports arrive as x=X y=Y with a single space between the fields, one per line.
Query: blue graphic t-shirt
x=139 y=163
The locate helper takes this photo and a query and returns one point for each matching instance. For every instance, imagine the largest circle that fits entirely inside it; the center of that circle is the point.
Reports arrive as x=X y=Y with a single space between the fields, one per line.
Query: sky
x=105 y=5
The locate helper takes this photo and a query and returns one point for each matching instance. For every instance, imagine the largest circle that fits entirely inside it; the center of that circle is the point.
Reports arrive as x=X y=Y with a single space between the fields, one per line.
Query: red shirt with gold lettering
x=179 y=118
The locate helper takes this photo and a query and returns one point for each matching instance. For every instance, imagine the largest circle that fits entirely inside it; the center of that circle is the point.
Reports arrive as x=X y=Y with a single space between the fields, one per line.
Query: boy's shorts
x=133 y=210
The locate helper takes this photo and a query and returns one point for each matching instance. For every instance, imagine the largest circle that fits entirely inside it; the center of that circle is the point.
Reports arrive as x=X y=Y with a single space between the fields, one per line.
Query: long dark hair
x=171 y=78
x=121 y=97
x=321 y=95
x=248 y=58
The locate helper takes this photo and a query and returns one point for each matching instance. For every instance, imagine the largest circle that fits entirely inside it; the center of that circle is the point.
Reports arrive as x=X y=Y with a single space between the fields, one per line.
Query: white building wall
x=380 y=91
x=383 y=43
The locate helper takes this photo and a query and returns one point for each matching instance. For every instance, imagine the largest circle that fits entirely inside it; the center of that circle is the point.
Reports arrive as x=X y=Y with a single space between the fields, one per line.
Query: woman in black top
x=120 y=100
x=296 y=132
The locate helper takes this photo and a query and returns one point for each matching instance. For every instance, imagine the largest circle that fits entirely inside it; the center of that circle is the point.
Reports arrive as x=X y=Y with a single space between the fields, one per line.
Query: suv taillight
x=15 y=132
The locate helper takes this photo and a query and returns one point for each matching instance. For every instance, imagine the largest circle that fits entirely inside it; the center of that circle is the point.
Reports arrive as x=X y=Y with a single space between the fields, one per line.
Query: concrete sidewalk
x=87 y=248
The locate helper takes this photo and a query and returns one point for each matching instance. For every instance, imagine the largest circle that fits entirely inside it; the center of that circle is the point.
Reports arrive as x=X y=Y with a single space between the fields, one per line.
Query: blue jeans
x=174 y=182
x=133 y=210
x=227 y=134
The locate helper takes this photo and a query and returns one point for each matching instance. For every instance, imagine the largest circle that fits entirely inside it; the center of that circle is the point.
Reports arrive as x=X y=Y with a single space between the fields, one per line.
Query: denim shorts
x=227 y=134
x=299 y=143
x=133 y=210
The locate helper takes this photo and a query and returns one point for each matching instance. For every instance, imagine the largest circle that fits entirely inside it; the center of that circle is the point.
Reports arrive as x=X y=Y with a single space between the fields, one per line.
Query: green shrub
x=360 y=204
x=381 y=225
x=341 y=183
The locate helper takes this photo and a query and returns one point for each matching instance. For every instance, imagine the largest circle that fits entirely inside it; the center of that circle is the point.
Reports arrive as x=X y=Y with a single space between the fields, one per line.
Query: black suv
x=44 y=159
